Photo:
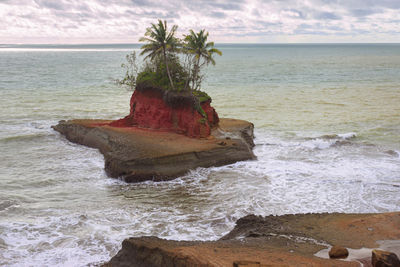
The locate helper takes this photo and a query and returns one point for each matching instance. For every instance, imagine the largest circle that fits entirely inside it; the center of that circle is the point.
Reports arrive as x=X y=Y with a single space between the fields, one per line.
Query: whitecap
x=347 y=135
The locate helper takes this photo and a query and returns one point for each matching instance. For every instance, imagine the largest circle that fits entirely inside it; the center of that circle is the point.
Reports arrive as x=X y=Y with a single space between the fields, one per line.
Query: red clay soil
x=149 y=110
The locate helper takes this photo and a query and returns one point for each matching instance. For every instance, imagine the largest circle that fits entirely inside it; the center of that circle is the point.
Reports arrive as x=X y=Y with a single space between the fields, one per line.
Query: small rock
x=338 y=252
x=253 y=234
x=381 y=258
x=246 y=264
x=222 y=143
x=3 y=244
x=392 y=153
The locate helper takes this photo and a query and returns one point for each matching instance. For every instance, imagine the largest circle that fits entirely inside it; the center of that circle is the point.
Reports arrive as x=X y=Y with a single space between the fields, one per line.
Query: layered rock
x=165 y=135
x=288 y=240
x=182 y=113
x=136 y=154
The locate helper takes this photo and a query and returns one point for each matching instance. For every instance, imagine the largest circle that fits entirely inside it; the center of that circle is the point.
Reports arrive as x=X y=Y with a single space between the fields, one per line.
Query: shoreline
x=287 y=240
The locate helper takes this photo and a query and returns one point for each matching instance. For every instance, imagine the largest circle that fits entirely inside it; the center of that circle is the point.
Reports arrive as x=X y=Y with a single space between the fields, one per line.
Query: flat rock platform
x=287 y=240
x=136 y=154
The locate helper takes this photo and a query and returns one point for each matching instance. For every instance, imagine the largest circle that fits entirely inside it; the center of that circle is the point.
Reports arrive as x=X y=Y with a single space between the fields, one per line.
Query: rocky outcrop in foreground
x=137 y=154
x=289 y=240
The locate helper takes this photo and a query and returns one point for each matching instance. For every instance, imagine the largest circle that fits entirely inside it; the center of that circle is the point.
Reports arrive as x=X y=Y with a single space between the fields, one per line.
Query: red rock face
x=148 y=110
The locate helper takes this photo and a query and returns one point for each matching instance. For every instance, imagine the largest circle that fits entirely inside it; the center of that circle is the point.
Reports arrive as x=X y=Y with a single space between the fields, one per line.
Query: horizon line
x=216 y=43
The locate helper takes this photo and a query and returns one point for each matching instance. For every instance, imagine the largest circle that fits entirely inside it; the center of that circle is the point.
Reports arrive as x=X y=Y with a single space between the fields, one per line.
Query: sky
x=233 y=21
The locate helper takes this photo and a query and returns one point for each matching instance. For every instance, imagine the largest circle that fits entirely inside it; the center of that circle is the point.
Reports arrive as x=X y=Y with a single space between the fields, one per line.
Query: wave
x=7 y=204
x=24 y=137
x=329 y=103
x=319 y=142
x=393 y=153
x=329 y=140
x=344 y=136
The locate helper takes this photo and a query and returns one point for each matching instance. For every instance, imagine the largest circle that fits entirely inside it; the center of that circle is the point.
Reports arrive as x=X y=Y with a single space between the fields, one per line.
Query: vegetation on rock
x=131 y=72
x=200 y=53
x=170 y=63
x=161 y=43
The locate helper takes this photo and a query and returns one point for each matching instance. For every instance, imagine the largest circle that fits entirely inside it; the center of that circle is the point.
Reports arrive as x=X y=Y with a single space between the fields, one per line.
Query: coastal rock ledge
x=287 y=240
x=136 y=154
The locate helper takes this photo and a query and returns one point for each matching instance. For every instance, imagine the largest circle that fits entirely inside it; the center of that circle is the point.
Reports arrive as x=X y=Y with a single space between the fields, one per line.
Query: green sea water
x=327 y=125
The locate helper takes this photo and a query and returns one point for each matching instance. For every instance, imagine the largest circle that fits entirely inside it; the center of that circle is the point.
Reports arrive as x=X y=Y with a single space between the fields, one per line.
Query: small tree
x=160 y=41
x=202 y=51
x=132 y=69
x=154 y=73
x=163 y=67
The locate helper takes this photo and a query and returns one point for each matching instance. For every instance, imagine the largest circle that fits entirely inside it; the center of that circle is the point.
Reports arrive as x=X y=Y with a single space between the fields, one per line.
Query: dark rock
x=253 y=234
x=392 y=153
x=337 y=252
x=3 y=244
x=246 y=264
x=381 y=258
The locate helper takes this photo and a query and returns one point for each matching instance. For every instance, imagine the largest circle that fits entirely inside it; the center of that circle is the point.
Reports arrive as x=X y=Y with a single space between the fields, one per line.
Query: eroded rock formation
x=182 y=113
x=165 y=135
x=137 y=154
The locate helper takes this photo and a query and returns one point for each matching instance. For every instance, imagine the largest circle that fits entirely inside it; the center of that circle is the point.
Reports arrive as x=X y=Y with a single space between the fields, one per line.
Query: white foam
x=347 y=135
x=59 y=223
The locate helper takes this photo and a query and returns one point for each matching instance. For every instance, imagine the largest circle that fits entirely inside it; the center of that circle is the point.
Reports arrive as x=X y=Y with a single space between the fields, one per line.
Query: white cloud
x=74 y=21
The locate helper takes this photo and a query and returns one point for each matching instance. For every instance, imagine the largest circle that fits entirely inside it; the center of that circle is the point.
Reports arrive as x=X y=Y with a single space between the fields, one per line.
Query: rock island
x=172 y=127
x=161 y=142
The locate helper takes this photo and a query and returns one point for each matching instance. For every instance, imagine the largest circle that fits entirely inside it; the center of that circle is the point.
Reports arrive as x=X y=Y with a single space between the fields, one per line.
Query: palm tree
x=159 y=43
x=196 y=44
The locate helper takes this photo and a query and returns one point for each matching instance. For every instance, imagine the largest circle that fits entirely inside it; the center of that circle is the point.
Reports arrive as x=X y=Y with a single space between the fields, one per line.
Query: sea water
x=327 y=126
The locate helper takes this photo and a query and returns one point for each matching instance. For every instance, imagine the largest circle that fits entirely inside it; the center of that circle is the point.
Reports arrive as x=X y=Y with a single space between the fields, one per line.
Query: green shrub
x=201 y=96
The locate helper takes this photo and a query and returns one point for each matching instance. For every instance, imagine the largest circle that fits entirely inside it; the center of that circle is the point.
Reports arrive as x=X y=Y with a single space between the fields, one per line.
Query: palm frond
x=215 y=50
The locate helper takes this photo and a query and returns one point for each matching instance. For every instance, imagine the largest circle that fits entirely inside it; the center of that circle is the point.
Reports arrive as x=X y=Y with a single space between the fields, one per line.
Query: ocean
x=327 y=126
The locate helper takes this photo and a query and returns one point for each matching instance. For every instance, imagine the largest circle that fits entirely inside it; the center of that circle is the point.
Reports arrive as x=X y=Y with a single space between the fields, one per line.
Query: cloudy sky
x=251 y=21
